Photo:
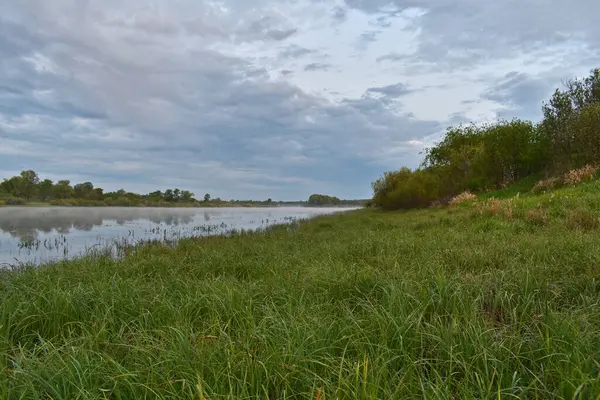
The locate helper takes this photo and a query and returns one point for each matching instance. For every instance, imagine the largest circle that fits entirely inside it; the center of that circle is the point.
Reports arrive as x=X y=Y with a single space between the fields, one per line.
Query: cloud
x=294 y=51
x=223 y=97
x=395 y=90
x=317 y=67
x=339 y=14
x=391 y=57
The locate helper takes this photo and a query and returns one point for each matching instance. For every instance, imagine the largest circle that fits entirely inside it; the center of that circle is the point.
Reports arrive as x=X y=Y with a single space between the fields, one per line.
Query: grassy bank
x=487 y=299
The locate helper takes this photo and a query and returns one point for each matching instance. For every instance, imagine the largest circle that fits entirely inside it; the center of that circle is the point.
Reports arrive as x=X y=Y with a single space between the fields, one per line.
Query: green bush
x=492 y=156
x=13 y=201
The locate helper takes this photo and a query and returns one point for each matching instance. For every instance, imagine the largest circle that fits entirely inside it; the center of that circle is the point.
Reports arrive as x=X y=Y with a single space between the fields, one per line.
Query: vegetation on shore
x=28 y=189
x=317 y=200
x=492 y=156
x=485 y=299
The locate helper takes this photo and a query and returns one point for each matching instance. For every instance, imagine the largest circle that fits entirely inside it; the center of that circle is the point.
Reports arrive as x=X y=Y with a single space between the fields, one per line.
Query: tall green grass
x=481 y=300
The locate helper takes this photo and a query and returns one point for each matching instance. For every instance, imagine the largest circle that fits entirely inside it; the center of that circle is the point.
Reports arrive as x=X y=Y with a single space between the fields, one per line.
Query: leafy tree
x=26 y=185
x=83 y=190
x=63 y=189
x=186 y=196
x=206 y=198
x=322 y=200
x=573 y=145
x=46 y=189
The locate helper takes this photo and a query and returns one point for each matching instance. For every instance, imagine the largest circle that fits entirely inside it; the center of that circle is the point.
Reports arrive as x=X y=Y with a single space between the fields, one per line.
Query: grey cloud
x=294 y=51
x=382 y=22
x=169 y=97
x=127 y=106
x=396 y=90
x=339 y=14
x=391 y=57
x=317 y=67
x=493 y=29
x=367 y=38
x=271 y=27
x=281 y=34
x=521 y=93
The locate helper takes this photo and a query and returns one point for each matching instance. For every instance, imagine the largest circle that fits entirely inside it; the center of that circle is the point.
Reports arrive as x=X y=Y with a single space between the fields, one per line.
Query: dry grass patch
x=537 y=216
x=583 y=219
x=494 y=207
x=546 y=185
x=576 y=176
x=464 y=196
x=572 y=177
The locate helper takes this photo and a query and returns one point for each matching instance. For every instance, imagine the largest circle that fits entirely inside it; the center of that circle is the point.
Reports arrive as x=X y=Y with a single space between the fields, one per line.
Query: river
x=36 y=235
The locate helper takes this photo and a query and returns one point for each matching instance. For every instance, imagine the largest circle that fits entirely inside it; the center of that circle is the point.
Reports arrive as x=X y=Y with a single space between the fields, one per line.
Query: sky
x=256 y=99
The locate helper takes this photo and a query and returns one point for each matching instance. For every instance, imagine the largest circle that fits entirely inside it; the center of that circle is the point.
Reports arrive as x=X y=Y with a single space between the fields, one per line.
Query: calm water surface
x=35 y=235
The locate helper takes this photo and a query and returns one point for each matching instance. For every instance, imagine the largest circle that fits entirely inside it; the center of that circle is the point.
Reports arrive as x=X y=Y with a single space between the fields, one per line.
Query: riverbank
x=88 y=203
x=173 y=205
x=485 y=299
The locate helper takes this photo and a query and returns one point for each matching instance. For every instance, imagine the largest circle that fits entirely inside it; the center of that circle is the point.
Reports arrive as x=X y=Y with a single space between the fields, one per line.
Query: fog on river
x=40 y=234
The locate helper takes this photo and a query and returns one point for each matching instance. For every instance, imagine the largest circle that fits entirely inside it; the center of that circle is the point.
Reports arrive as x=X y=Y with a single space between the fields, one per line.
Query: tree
x=83 y=190
x=46 y=189
x=97 y=194
x=11 y=186
x=186 y=196
x=567 y=133
x=322 y=200
x=206 y=198
x=63 y=189
x=27 y=184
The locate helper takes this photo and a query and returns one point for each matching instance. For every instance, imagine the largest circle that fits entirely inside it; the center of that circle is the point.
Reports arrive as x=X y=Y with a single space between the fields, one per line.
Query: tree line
x=491 y=156
x=28 y=187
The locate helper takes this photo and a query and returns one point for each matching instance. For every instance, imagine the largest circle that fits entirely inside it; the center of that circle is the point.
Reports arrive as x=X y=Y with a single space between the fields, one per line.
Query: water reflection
x=38 y=234
x=25 y=222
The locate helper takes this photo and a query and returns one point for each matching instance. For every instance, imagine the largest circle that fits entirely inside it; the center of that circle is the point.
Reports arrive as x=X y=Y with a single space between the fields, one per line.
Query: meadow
x=489 y=298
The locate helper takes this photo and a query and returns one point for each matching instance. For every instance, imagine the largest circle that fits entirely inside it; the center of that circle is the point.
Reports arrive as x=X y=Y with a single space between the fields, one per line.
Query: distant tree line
x=492 y=156
x=325 y=200
x=27 y=187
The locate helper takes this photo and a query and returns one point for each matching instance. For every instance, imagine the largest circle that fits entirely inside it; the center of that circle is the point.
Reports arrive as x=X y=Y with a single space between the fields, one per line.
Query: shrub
x=405 y=189
x=489 y=207
x=2 y=203
x=14 y=201
x=576 y=176
x=464 y=196
x=546 y=185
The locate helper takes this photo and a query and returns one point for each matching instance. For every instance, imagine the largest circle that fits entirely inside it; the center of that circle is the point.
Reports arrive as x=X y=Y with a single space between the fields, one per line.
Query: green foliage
x=27 y=187
x=571 y=123
x=491 y=157
x=437 y=304
x=323 y=200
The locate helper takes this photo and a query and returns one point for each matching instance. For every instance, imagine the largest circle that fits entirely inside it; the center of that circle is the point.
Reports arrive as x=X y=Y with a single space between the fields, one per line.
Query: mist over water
x=41 y=234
